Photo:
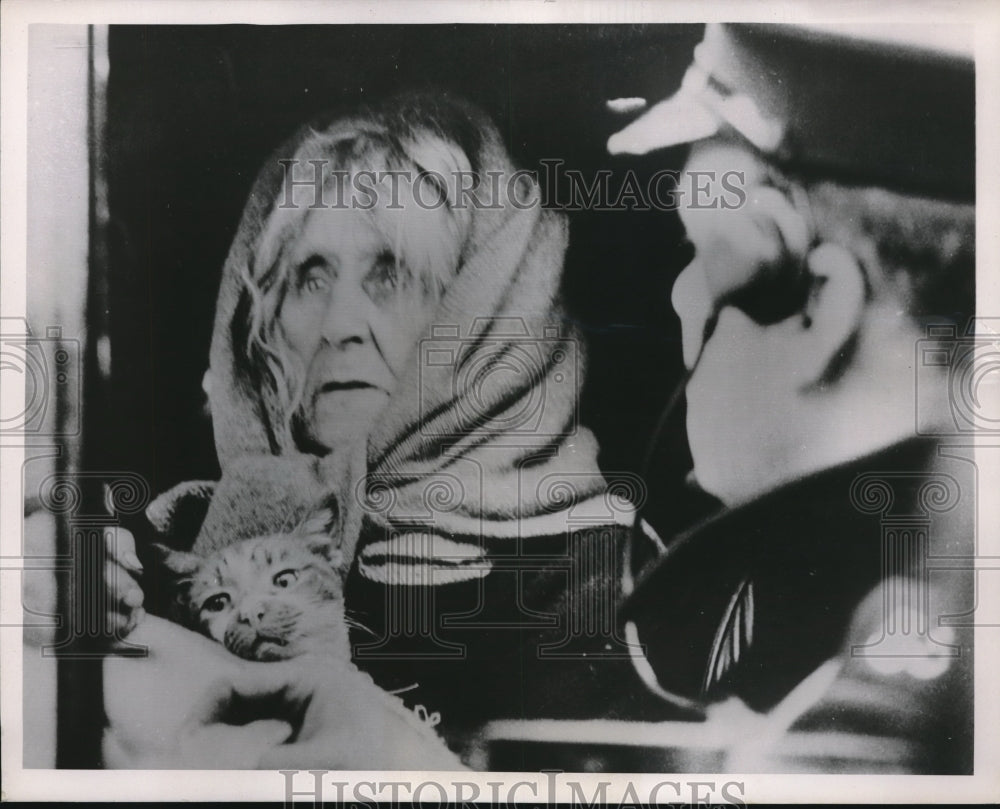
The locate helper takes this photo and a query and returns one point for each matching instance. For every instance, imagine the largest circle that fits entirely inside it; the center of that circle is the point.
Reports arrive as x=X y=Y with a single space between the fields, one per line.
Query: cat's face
x=266 y=598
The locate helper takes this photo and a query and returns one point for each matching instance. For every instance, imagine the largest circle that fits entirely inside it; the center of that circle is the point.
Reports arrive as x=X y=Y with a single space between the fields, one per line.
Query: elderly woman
x=389 y=339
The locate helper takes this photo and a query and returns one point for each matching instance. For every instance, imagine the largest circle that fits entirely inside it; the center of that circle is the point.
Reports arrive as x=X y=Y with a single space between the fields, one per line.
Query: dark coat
x=752 y=601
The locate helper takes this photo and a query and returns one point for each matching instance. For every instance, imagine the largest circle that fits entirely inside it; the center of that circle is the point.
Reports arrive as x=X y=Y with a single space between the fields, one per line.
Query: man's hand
x=167 y=710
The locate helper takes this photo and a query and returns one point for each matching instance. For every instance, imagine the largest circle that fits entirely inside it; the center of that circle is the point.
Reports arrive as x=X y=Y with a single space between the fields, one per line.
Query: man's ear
x=180 y=564
x=833 y=311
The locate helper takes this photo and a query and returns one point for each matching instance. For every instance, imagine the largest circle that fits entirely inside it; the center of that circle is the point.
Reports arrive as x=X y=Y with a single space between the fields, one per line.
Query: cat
x=265 y=598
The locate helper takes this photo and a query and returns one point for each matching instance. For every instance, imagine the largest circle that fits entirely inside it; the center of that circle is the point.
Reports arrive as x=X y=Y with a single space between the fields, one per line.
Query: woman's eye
x=314 y=282
x=313 y=276
x=286 y=578
x=216 y=603
x=386 y=274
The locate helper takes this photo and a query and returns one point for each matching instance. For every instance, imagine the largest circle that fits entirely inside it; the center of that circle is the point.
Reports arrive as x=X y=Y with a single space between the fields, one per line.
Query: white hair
x=428 y=238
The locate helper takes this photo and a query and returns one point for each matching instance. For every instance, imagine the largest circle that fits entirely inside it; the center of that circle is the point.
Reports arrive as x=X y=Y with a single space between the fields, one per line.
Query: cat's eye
x=286 y=578
x=216 y=603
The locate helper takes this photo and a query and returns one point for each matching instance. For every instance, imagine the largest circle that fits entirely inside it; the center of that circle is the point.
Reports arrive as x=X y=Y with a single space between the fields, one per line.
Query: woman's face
x=352 y=315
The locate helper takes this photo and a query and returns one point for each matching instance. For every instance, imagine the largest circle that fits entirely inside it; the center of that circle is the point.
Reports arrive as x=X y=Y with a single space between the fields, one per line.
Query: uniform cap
x=891 y=106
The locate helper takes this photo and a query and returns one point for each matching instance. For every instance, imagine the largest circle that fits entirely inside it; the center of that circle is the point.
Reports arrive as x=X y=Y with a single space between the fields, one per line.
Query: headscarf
x=482 y=433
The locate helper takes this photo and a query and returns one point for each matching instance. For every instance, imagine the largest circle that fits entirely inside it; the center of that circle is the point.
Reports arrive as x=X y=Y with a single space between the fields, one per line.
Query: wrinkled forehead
x=392 y=202
x=327 y=230
x=376 y=181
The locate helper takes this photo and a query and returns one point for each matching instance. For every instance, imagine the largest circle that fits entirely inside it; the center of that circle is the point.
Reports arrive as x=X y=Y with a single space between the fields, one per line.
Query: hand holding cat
x=169 y=709
x=349 y=723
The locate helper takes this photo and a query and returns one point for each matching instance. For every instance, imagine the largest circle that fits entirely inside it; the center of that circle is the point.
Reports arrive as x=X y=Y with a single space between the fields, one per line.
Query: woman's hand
x=348 y=722
x=167 y=710
x=121 y=571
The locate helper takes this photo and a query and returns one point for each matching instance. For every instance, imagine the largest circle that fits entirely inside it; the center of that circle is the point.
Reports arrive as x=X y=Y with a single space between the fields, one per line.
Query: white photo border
x=22 y=784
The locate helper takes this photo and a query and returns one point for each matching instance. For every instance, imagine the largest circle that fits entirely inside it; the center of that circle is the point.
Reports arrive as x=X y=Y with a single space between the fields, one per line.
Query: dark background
x=192 y=112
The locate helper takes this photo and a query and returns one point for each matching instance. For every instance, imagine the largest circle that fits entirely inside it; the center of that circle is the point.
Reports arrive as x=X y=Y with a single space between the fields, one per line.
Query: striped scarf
x=481 y=438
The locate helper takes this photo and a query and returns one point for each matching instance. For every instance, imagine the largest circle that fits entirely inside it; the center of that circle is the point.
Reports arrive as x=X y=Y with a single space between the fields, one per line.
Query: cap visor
x=680 y=119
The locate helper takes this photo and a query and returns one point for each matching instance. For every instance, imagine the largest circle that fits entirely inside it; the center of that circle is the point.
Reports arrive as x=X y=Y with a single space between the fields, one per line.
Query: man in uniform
x=824 y=326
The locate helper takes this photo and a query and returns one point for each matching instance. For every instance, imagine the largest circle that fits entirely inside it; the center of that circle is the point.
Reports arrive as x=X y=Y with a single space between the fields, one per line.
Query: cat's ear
x=318 y=529
x=180 y=564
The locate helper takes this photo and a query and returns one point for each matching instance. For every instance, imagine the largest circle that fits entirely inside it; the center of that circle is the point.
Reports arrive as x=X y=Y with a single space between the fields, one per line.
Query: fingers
x=296 y=681
x=121 y=547
x=234 y=747
x=125 y=598
x=123 y=590
x=288 y=679
x=210 y=747
x=123 y=569
x=266 y=733
x=121 y=625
